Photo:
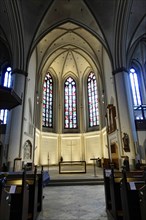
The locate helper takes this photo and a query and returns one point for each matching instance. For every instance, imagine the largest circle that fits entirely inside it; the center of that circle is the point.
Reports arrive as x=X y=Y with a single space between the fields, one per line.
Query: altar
x=72 y=167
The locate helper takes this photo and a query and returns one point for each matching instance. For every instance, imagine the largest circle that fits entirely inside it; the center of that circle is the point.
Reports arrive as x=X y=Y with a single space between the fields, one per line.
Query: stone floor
x=73 y=203
x=86 y=202
x=91 y=171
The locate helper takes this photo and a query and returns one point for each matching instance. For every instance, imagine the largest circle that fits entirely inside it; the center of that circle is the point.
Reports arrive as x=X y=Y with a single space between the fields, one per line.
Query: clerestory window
x=135 y=87
x=137 y=92
x=6 y=81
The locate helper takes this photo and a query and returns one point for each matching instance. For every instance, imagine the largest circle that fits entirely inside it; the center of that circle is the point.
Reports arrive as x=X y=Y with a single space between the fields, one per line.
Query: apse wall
x=51 y=147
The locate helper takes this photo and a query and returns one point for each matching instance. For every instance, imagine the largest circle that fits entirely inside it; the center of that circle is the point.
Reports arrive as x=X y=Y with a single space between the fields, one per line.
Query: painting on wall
x=111 y=118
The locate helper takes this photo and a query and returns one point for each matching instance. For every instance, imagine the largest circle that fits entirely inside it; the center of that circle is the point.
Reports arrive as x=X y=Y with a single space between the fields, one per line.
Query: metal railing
x=140 y=112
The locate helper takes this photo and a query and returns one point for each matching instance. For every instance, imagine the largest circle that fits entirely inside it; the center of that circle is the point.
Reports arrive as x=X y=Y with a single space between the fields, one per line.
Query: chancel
x=72 y=93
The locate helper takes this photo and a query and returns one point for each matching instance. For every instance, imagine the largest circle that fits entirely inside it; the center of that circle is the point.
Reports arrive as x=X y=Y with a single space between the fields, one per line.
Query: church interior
x=72 y=83
x=101 y=47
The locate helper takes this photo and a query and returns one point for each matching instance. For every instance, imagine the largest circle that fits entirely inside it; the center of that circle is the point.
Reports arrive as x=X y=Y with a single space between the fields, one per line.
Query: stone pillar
x=14 y=128
x=125 y=112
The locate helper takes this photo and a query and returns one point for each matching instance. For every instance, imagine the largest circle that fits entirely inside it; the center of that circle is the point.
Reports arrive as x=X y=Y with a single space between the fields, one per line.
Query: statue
x=126 y=142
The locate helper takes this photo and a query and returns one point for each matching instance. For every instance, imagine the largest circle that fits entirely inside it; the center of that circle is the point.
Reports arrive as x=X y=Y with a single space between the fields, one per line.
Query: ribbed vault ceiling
x=69 y=48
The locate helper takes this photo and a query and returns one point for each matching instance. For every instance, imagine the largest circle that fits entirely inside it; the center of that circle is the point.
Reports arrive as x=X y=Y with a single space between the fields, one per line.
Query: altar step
x=76 y=182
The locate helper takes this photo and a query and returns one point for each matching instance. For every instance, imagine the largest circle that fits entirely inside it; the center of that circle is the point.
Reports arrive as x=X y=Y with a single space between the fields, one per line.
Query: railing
x=140 y=117
x=140 y=112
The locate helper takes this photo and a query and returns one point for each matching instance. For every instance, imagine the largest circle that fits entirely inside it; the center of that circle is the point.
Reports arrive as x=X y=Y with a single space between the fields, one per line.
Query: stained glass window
x=6 y=83
x=47 y=114
x=92 y=100
x=135 y=87
x=70 y=103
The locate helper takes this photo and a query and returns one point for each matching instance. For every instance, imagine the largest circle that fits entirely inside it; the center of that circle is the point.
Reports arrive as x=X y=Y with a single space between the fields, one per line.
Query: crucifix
x=71 y=148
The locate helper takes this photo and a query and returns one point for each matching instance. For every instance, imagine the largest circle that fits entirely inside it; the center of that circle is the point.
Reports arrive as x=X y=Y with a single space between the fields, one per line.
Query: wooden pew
x=116 y=204
x=130 y=189
x=34 y=179
x=36 y=183
x=112 y=184
x=5 y=201
x=40 y=191
x=19 y=192
x=115 y=190
x=107 y=186
x=33 y=196
x=106 y=175
x=142 y=199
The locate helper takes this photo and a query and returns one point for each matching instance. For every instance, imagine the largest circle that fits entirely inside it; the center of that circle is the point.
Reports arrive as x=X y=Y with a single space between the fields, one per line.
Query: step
x=75 y=182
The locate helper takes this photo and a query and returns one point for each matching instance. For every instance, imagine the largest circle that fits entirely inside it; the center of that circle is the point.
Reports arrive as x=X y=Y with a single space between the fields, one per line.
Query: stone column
x=14 y=128
x=125 y=112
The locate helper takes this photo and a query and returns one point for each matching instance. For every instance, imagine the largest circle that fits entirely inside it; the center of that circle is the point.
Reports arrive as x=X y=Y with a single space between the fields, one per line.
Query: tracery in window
x=47 y=114
x=70 y=103
x=7 y=83
x=135 y=87
x=92 y=100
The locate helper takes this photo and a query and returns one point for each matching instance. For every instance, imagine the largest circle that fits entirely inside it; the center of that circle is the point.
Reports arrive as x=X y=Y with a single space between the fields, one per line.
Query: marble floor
x=85 y=202
x=73 y=203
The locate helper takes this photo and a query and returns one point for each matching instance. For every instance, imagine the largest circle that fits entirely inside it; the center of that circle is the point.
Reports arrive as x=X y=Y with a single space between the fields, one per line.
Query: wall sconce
x=37 y=98
x=102 y=96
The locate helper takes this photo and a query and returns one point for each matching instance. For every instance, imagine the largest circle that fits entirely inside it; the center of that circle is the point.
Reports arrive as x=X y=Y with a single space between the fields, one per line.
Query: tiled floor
x=73 y=203
x=91 y=172
x=86 y=202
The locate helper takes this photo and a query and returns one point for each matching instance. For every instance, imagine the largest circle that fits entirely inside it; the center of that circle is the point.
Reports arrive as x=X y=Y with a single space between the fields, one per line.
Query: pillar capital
x=119 y=70
x=19 y=71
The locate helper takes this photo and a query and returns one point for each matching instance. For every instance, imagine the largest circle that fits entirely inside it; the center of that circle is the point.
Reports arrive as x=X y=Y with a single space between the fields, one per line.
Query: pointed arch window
x=92 y=100
x=6 y=81
x=7 y=77
x=135 y=87
x=70 y=103
x=47 y=113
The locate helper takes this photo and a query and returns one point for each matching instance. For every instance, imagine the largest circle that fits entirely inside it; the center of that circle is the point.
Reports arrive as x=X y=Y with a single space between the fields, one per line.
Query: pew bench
x=130 y=197
x=116 y=205
x=30 y=178
x=19 y=202
x=34 y=181
x=107 y=186
x=18 y=206
x=115 y=194
x=142 y=199
x=5 y=201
